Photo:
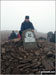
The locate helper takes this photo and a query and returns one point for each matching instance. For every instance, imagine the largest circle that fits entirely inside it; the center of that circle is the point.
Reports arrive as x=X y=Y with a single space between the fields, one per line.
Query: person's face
x=26 y=20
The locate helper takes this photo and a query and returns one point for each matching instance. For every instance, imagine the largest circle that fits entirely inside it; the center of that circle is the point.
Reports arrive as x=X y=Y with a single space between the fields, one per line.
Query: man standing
x=26 y=25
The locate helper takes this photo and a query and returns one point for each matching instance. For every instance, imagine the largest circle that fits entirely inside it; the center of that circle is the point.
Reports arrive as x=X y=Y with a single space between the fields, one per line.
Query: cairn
x=16 y=60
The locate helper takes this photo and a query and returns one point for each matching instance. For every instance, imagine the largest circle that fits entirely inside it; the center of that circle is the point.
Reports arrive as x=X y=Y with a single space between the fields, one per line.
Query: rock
x=48 y=64
x=49 y=54
x=3 y=50
x=4 y=57
x=16 y=40
x=8 y=50
x=8 y=56
x=15 y=71
x=10 y=60
x=37 y=53
x=17 y=60
x=8 y=70
x=46 y=49
x=7 y=63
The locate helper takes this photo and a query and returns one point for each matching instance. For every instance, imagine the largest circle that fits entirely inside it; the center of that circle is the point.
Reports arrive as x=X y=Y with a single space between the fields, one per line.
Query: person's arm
x=32 y=27
x=22 y=27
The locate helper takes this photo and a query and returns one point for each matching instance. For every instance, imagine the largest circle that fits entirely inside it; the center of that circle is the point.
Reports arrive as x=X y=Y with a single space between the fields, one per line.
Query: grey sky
x=42 y=14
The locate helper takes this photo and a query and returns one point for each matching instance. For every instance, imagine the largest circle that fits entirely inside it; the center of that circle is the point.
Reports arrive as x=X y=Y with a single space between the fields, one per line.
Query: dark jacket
x=12 y=36
x=26 y=25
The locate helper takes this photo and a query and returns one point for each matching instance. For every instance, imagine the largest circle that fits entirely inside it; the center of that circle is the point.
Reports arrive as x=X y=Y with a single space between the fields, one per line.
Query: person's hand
x=32 y=30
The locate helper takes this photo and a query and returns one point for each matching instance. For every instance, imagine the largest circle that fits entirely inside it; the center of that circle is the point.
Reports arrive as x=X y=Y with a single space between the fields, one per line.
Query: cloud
x=42 y=14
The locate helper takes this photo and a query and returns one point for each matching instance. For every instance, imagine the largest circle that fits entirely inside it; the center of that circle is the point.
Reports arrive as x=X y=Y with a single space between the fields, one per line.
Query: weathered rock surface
x=16 y=60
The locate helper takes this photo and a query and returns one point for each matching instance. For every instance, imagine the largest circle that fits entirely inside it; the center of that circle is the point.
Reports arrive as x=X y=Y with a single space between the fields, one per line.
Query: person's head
x=13 y=31
x=26 y=18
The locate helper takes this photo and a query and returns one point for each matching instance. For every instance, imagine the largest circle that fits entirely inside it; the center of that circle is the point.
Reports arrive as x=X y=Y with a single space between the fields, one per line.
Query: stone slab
x=29 y=40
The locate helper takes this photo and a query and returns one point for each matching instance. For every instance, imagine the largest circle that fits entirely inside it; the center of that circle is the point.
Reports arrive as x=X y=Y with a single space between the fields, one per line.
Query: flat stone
x=37 y=53
x=49 y=54
x=16 y=40
x=3 y=50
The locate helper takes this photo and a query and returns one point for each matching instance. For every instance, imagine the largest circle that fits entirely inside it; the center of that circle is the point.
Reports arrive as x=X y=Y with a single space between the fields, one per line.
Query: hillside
x=16 y=60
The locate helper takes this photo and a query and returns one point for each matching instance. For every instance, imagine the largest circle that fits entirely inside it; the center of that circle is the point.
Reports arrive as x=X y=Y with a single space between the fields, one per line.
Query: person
x=26 y=25
x=19 y=36
x=12 y=35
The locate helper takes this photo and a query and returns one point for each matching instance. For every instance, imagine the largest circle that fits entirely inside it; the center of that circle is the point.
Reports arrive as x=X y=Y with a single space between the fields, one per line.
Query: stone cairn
x=16 y=60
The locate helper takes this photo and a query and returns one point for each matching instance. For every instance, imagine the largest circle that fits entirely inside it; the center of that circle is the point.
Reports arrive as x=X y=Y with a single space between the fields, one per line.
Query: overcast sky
x=42 y=14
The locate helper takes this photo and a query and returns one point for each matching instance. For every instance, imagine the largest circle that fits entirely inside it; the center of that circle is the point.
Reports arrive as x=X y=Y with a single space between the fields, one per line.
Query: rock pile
x=16 y=60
